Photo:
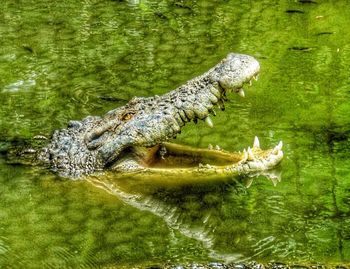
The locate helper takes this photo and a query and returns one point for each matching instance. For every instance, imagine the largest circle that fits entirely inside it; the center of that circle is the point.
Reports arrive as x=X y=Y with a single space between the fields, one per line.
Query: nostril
x=93 y=143
x=94 y=138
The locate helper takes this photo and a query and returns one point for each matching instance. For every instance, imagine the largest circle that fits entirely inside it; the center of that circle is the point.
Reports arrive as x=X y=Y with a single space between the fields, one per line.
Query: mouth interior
x=170 y=155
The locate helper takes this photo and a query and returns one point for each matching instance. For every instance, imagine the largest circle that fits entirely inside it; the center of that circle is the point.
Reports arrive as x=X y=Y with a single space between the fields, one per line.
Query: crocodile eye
x=127 y=116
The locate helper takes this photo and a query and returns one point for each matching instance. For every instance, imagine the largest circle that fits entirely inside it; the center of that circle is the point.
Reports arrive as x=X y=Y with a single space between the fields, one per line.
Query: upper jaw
x=157 y=121
x=238 y=70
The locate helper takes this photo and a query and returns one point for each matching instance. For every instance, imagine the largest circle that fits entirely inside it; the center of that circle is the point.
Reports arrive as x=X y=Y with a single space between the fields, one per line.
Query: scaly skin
x=141 y=128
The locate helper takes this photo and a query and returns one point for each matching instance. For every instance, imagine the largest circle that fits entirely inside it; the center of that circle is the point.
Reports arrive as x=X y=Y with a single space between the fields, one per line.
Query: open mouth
x=175 y=159
x=170 y=161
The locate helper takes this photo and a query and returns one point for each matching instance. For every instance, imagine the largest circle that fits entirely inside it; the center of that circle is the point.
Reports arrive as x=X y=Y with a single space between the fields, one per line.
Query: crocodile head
x=138 y=130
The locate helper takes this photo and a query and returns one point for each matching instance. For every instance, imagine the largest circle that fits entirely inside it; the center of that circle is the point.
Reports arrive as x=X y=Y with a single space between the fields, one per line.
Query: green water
x=63 y=60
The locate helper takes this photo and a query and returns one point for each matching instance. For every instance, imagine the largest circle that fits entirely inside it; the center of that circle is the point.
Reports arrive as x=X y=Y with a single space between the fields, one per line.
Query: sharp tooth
x=241 y=92
x=210 y=146
x=217 y=147
x=277 y=148
x=250 y=82
x=280 y=145
x=250 y=154
x=209 y=122
x=256 y=77
x=256 y=142
x=245 y=156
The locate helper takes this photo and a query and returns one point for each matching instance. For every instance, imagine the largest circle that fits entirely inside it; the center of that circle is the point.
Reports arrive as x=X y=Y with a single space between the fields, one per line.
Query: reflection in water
x=3 y=246
x=173 y=214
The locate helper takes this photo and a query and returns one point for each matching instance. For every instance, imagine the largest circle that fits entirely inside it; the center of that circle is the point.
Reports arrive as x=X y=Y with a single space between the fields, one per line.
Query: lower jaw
x=178 y=164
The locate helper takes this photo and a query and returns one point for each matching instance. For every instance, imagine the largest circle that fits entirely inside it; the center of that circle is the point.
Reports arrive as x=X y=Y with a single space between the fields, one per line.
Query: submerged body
x=134 y=137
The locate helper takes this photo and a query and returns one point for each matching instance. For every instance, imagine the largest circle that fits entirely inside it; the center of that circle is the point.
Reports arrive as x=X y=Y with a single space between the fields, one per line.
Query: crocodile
x=135 y=137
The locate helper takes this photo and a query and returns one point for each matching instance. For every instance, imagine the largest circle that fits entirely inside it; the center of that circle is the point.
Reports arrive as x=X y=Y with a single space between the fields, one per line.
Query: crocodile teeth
x=280 y=145
x=217 y=147
x=210 y=146
x=209 y=122
x=250 y=154
x=241 y=92
x=278 y=148
x=245 y=156
x=250 y=82
x=256 y=77
x=256 y=142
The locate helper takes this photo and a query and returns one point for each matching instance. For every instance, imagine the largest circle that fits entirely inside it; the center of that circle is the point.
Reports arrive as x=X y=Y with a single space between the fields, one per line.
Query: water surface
x=63 y=60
